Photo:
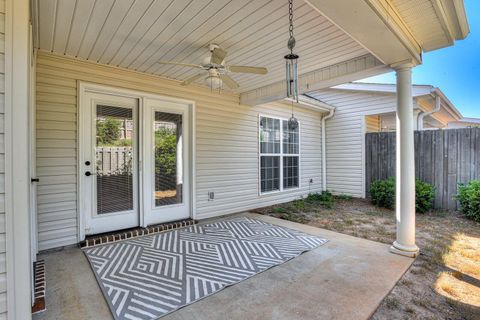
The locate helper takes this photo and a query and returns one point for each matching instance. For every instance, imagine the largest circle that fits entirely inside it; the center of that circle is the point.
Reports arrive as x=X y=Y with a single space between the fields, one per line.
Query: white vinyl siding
x=3 y=275
x=345 y=135
x=226 y=144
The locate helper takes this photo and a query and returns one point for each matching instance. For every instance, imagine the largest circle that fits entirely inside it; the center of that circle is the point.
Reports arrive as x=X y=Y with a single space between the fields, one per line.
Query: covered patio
x=237 y=139
x=346 y=278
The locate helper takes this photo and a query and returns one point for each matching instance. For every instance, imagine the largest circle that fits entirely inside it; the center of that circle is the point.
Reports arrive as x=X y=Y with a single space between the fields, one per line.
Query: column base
x=410 y=251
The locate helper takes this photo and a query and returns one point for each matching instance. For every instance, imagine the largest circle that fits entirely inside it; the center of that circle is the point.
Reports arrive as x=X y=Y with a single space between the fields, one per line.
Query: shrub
x=382 y=193
x=279 y=210
x=344 y=196
x=469 y=197
x=424 y=194
x=166 y=151
x=108 y=130
x=299 y=204
x=325 y=198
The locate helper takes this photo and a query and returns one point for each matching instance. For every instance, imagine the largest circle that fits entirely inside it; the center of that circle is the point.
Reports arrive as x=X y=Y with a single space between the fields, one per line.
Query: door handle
x=88 y=173
x=35 y=180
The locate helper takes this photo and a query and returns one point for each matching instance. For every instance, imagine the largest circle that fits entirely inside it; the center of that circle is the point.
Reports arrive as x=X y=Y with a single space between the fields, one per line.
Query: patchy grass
x=442 y=283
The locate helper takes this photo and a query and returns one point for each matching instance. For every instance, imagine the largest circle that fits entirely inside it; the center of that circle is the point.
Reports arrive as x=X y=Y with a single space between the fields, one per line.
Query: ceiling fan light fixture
x=214 y=82
x=215 y=71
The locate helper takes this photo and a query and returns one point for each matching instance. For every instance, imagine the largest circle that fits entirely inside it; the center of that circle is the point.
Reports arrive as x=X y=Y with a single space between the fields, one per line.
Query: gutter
x=424 y=114
x=324 y=149
x=312 y=103
x=307 y=102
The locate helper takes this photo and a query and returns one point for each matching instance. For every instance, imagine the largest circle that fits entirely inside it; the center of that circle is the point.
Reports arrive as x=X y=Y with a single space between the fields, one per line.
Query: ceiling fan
x=216 y=70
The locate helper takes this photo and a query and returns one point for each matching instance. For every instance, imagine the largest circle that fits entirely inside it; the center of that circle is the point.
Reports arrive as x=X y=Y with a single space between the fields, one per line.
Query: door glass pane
x=168 y=158
x=114 y=159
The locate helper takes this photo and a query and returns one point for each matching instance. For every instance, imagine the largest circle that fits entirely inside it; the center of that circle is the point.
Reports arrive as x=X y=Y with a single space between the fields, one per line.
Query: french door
x=109 y=162
x=166 y=161
x=134 y=161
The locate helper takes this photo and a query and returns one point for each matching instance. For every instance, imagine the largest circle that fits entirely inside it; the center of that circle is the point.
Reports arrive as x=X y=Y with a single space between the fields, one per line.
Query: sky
x=455 y=70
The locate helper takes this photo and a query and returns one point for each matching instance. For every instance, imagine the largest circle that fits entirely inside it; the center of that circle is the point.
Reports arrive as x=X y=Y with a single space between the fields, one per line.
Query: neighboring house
x=371 y=107
x=65 y=64
x=465 y=123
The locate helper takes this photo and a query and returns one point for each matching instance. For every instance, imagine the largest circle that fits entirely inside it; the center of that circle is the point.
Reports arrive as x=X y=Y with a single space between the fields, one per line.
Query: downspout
x=424 y=114
x=324 y=150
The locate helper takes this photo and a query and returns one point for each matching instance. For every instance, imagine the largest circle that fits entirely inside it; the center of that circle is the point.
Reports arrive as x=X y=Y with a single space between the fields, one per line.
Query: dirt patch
x=442 y=283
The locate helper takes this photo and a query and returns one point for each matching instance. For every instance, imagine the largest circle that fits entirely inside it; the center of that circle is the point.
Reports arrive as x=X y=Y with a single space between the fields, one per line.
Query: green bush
x=382 y=193
x=424 y=194
x=166 y=151
x=299 y=204
x=469 y=197
x=325 y=198
x=108 y=131
x=344 y=196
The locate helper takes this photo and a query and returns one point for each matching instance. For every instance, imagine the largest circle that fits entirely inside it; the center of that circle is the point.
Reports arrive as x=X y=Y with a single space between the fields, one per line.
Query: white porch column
x=405 y=175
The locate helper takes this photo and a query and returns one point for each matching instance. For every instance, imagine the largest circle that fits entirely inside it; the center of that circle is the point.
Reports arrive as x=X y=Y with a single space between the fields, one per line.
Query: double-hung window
x=279 y=155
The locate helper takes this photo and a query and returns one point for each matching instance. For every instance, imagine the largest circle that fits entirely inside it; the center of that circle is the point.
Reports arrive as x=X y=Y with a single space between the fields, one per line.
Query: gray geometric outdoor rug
x=151 y=276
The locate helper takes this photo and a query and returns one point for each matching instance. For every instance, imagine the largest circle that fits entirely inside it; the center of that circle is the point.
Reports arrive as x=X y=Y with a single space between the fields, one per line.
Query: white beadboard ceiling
x=134 y=34
x=423 y=21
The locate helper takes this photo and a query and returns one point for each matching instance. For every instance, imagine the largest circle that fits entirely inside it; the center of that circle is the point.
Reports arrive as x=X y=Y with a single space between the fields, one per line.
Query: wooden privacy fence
x=113 y=160
x=443 y=158
x=117 y=161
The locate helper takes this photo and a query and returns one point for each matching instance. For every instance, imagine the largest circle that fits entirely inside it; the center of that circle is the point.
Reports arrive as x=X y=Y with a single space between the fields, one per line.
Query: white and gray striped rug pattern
x=151 y=276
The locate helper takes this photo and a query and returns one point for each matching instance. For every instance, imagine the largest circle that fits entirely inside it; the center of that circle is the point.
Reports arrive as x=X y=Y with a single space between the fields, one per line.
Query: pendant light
x=291 y=68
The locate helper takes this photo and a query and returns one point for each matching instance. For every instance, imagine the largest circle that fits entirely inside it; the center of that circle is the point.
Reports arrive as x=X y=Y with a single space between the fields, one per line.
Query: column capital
x=405 y=64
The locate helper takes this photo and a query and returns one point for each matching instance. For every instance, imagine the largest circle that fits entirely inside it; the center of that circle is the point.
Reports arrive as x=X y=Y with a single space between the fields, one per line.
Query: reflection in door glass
x=168 y=158
x=114 y=159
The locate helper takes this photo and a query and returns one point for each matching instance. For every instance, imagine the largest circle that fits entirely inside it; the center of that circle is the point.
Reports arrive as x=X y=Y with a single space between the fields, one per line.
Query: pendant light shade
x=292 y=123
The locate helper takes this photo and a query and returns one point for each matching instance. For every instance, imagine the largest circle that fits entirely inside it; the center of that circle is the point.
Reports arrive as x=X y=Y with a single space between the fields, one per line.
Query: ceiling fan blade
x=181 y=64
x=228 y=81
x=218 y=55
x=193 y=78
x=247 y=69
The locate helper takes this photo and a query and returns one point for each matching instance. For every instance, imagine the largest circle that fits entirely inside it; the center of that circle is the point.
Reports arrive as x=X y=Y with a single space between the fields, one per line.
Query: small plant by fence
x=443 y=158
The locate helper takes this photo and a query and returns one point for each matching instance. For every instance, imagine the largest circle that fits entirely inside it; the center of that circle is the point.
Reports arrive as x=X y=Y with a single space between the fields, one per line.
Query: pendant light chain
x=290 y=18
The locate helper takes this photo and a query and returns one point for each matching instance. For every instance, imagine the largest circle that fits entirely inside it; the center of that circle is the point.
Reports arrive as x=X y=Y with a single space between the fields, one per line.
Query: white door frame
x=84 y=87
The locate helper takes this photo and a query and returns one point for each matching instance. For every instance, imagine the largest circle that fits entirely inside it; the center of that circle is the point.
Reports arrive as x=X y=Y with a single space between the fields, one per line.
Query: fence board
x=443 y=158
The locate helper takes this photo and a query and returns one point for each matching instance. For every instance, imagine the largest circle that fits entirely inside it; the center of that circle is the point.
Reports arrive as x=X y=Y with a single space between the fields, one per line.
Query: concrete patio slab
x=346 y=278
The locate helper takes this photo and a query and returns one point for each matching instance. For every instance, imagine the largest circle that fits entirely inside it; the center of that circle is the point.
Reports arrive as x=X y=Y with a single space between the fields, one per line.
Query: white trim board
x=17 y=174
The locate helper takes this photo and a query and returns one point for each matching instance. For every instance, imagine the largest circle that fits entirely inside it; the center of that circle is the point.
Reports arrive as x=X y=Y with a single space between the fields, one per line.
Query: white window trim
x=281 y=155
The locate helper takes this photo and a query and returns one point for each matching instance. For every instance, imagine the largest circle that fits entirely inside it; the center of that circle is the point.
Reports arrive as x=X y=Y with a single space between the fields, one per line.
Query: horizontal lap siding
x=226 y=138
x=345 y=136
x=3 y=274
x=227 y=157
